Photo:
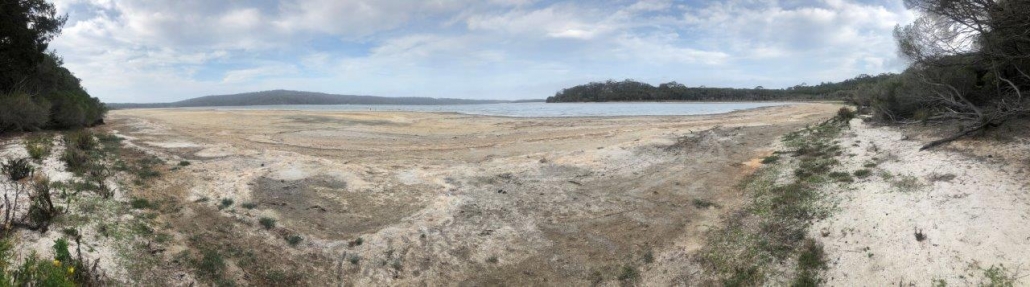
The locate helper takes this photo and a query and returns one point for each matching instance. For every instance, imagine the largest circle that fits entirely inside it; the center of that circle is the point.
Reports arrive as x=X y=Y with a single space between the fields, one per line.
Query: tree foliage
x=36 y=91
x=629 y=90
x=970 y=64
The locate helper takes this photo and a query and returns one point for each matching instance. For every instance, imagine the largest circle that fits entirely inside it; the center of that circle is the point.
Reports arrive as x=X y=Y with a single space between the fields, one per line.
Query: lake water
x=538 y=109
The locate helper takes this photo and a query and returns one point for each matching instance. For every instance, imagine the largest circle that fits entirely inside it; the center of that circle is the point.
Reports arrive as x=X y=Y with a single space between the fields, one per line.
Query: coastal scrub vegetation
x=36 y=91
x=969 y=69
x=630 y=90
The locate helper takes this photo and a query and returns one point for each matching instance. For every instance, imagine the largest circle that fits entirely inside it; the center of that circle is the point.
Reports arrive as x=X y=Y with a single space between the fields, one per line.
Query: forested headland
x=36 y=91
x=634 y=91
x=969 y=67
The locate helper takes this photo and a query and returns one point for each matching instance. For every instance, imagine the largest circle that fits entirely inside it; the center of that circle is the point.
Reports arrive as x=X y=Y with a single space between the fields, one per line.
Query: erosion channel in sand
x=439 y=198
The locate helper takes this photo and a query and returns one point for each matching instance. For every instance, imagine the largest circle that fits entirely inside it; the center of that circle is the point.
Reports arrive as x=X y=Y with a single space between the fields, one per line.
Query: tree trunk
x=956 y=136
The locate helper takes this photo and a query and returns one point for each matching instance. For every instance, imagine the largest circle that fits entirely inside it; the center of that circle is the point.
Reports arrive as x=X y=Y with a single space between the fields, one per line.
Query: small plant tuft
x=267 y=222
x=628 y=273
x=226 y=203
x=140 y=203
x=703 y=204
x=17 y=169
x=863 y=173
x=39 y=145
x=294 y=240
x=845 y=114
x=81 y=139
x=841 y=176
x=211 y=264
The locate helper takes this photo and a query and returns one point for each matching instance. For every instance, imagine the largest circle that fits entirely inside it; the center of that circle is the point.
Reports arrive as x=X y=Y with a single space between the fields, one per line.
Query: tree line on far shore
x=630 y=91
x=970 y=69
x=36 y=91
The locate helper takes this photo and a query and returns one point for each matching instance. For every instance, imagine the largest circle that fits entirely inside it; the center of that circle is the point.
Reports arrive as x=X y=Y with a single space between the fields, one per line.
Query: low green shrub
x=226 y=202
x=267 y=222
x=845 y=114
x=77 y=161
x=628 y=273
x=863 y=173
x=19 y=112
x=294 y=239
x=703 y=204
x=841 y=176
x=211 y=264
x=41 y=205
x=140 y=203
x=17 y=169
x=81 y=139
x=39 y=145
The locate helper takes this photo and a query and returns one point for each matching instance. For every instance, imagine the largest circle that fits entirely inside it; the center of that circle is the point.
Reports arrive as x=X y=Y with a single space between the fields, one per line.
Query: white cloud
x=137 y=50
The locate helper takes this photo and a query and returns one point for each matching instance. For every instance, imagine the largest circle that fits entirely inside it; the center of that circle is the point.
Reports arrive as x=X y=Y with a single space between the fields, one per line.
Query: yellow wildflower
x=57 y=263
x=71 y=270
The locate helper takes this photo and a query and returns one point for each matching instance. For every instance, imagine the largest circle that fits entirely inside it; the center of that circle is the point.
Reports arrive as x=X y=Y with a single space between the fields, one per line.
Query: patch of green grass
x=770 y=159
x=998 y=276
x=772 y=228
x=869 y=165
x=810 y=262
x=397 y=264
x=703 y=204
x=81 y=140
x=140 y=203
x=492 y=260
x=354 y=259
x=649 y=256
x=863 y=173
x=907 y=183
x=249 y=205
x=935 y=177
x=184 y=163
x=628 y=273
x=841 y=176
x=267 y=222
x=211 y=264
x=886 y=175
x=145 y=169
x=39 y=145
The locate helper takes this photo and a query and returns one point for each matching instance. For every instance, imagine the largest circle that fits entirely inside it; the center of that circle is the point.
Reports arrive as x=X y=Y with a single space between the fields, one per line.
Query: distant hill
x=286 y=97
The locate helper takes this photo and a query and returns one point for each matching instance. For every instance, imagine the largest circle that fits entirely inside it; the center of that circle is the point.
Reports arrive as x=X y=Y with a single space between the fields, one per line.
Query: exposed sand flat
x=450 y=198
x=974 y=212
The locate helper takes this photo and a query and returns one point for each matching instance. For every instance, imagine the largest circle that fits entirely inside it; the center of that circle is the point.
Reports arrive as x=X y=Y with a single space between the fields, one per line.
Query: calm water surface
x=537 y=109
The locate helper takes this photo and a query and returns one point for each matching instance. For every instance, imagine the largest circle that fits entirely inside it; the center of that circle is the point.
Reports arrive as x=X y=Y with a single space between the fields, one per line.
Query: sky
x=159 y=51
